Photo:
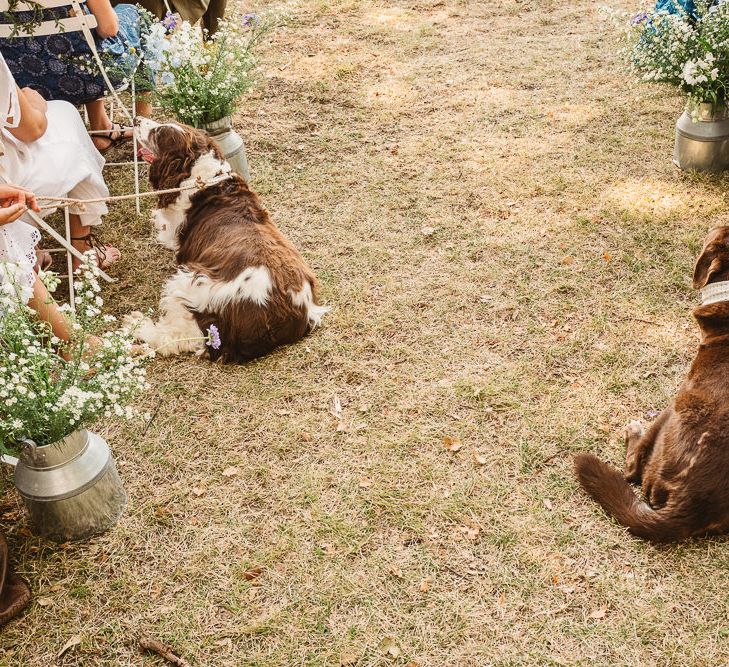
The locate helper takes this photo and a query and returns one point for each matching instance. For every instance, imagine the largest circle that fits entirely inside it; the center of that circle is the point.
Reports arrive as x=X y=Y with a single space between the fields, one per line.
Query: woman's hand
x=14 y=202
x=35 y=99
x=32 y=122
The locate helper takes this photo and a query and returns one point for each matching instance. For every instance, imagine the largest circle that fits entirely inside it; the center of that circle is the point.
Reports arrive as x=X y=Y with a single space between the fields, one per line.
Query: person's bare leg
x=47 y=309
x=144 y=105
x=80 y=241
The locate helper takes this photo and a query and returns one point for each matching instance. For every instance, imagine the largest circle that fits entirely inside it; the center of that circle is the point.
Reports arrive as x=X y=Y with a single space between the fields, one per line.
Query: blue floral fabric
x=674 y=6
x=60 y=67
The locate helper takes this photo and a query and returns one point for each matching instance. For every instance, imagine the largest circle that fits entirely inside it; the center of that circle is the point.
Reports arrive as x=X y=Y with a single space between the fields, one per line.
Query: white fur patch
x=176 y=331
x=254 y=284
x=304 y=297
x=167 y=220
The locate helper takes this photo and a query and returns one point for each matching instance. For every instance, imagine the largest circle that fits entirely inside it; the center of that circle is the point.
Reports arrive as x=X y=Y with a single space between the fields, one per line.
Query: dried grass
x=491 y=208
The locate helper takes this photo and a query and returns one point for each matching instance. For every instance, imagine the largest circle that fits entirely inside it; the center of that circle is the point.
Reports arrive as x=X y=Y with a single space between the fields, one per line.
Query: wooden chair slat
x=70 y=24
x=25 y=6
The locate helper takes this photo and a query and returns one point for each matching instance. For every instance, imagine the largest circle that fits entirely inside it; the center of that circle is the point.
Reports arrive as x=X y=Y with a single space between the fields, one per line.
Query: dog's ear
x=707 y=266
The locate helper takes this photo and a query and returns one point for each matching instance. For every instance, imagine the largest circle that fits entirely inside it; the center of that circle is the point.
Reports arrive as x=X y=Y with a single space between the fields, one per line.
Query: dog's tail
x=608 y=487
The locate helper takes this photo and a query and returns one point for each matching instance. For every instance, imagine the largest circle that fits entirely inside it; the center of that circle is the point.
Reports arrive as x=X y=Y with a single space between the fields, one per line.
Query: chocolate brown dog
x=682 y=462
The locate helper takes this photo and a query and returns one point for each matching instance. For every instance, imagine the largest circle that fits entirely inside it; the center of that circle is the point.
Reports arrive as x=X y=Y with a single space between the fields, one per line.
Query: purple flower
x=213 y=337
x=639 y=18
x=169 y=21
x=651 y=414
x=250 y=21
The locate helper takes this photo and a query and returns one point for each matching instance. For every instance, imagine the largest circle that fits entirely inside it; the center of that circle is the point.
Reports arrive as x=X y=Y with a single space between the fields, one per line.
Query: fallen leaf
x=412 y=663
x=197 y=491
x=452 y=444
x=253 y=573
x=390 y=647
x=548 y=504
x=230 y=472
x=335 y=407
x=425 y=584
x=73 y=641
x=568 y=260
x=348 y=659
x=479 y=459
x=472 y=533
x=606 y=256
x=365 y=483
x=306 y=437
x=598 y=613
x=427 y=231
x=45 y=602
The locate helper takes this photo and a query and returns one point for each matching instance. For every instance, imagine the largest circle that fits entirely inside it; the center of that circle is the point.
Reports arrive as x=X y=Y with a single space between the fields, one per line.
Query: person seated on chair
x=46 y=150
x=208 y=12
x=62 y=67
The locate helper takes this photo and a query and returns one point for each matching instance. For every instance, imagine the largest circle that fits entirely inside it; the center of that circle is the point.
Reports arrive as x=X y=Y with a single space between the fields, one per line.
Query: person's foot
x=45 y=260
x=106 y=254
x=113 y=135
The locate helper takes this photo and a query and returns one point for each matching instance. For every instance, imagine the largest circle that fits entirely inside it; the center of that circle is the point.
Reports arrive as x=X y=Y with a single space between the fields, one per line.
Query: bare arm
x=106 y=18
x=33 y=121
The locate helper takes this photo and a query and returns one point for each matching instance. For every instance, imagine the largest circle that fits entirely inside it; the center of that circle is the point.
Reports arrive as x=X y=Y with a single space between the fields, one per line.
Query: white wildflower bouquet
x=48 y=387
x=200 y=80
x=687 y=49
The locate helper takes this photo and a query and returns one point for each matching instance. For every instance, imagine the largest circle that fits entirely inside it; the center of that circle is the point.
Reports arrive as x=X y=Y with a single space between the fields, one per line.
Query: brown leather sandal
x=14 y=591
x=102 y=250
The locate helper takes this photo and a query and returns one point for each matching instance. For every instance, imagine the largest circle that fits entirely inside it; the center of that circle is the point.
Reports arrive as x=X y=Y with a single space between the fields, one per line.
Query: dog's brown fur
x=682 y=461
x=227 y=230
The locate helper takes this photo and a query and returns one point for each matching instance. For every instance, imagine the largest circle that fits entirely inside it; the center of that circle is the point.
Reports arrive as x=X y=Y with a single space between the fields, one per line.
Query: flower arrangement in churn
x=49 y=387
x=201 y=77
x=684 y=44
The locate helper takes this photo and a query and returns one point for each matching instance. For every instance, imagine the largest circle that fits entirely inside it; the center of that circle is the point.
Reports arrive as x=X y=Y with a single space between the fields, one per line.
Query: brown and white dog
x=236 y=270
x=682 y=461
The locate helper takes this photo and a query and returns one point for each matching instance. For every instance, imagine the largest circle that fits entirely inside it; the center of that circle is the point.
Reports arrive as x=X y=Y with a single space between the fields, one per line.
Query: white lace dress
x=17 y=239
x=63 y=163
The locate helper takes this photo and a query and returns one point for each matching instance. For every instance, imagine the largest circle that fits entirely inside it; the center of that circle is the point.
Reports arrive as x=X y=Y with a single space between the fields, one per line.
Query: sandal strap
x=120 y=131
x=95 y=244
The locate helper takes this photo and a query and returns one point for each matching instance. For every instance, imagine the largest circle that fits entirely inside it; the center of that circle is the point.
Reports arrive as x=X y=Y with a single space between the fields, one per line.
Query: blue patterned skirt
x=61 y=67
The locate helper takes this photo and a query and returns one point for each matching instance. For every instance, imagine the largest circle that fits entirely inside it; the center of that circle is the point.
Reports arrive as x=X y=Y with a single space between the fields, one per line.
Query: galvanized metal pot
x=231 y=143
x=70 y=488
x=702 y=139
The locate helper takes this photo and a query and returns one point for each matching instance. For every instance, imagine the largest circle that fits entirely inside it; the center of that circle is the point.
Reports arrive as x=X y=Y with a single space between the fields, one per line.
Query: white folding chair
x=66 y=245
x=79 y=21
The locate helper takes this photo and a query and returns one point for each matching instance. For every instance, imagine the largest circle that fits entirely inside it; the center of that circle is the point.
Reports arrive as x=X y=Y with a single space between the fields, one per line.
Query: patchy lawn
x=490 y=205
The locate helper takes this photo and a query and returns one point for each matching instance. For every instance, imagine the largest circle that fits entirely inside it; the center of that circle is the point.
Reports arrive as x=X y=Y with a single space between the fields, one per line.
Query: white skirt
x=63 y=163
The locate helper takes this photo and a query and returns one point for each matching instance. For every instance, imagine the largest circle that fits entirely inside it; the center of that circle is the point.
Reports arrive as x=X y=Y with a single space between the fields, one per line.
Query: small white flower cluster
x=200 y=81
x=50 y=387
x=690 y=51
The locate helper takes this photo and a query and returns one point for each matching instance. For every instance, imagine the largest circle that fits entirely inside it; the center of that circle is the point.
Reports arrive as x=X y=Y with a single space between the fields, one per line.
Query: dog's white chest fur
x=167 y=220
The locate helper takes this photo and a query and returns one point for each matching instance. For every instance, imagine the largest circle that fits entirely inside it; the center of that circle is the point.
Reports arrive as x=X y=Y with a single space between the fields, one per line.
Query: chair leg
x=135 y=148
x=69 y=259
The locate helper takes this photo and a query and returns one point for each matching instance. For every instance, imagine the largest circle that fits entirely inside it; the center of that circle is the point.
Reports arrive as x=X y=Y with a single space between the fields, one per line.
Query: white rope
x=65 y=202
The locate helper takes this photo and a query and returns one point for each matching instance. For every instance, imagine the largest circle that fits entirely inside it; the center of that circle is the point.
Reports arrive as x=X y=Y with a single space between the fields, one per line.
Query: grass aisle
x=490 y=205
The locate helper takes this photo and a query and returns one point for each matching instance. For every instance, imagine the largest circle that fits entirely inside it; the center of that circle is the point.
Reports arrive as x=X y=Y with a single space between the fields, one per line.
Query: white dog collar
x=715 y=292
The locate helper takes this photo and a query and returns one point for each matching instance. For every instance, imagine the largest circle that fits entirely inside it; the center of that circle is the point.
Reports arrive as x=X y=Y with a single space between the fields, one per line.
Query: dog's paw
x=132 y=321
x=634 y=430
